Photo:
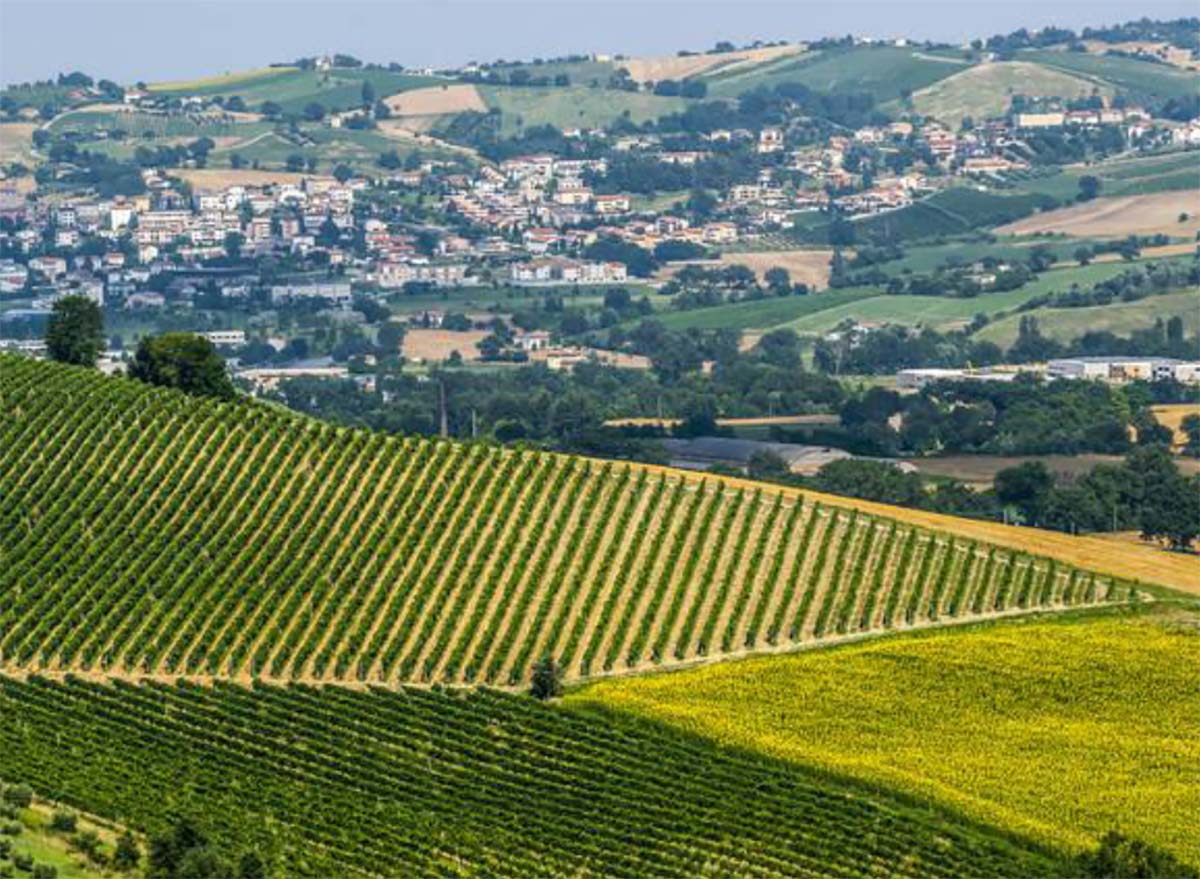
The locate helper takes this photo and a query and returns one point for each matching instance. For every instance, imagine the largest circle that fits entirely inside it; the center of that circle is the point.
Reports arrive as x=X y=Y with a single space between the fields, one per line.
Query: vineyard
x=334 y=782
x=144 y=532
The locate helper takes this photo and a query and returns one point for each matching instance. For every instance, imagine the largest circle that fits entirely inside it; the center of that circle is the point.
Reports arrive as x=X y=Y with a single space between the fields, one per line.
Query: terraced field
x=147 y=533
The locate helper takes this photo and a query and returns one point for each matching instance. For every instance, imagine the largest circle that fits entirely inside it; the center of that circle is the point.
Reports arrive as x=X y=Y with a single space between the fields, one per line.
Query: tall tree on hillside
x=184 y=361
x=75 y=333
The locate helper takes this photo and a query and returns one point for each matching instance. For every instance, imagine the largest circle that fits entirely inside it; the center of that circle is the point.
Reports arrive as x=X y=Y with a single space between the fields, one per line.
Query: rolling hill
x=146 y=533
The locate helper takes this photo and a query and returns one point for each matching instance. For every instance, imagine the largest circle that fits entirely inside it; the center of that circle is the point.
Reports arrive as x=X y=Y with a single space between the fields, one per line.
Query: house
x=611 y=204
x=225 y=338
x=535 y=340
x=770 y=140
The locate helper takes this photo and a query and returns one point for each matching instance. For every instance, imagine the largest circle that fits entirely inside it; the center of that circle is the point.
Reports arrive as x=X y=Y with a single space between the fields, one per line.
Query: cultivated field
x=418 y=783
x=216 y=179
x=1065 y=324
x=981 y=470
x=574 y=107
x=1118 y=217
x=986 y=90
x=16 y=142
x=439 y=100
x=223 y=82
x=1057 y=729
x=676 y=67
x=1172 y=416
x=437 y=345
x=805 y=266
x=253 y=543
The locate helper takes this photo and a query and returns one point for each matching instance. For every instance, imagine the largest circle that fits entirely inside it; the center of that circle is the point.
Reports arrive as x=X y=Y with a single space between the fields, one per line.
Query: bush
x=1120 y=857
x=23 y=862
x=45 y=871
x=64 y=822
x=19 y=795
x=547 y=679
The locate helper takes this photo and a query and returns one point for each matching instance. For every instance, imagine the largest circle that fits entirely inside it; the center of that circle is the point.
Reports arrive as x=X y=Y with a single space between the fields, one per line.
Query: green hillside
x=1141 y=79
x=1121 y=318
x=236 y=540
x=293 y=89
x=1060 y=729
x=885 y=72
x=985 y=90
x=573 y=107
x=419 y=783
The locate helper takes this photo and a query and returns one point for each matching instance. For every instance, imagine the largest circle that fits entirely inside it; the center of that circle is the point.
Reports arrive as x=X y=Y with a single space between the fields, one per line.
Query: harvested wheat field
x=1172 y=416
x=16 y=142
x=1118 y=217
x=439 y=344
x=214 y=179
x=681 y=67
x=436 y=101
x=810 y=267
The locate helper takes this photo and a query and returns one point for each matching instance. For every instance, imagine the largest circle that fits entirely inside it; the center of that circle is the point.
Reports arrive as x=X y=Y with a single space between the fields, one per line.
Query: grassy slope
x=1061 y=729
x=1139 y=78
x=292 y=89
x=760 y=314
x=942 y=311
x=335 y=782
x=881 y=71
x=1130 y=176
x=573 y=107
x=985 y=91
x=1121 y=318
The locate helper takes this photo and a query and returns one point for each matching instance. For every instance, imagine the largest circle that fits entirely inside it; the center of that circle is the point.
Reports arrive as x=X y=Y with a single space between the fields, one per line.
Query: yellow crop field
x=1172 y=416
x=239 y=77
x=1060 y=729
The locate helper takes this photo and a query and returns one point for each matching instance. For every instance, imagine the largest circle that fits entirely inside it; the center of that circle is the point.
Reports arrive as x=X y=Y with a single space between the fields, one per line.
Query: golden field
x=1057 y=729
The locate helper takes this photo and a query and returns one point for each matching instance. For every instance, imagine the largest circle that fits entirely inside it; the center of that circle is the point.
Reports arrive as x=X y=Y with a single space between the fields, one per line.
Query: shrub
x=19 y=795
x=547 y=679
x=64 y=822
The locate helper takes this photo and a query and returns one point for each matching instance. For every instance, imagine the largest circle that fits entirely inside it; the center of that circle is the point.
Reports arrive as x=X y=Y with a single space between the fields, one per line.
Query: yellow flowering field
x=1059 y=729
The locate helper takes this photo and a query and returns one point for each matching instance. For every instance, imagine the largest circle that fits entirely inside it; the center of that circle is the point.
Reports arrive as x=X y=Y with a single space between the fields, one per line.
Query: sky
x=131 y=40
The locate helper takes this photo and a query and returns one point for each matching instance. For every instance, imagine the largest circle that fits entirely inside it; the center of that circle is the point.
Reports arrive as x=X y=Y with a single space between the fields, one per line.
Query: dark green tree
x=127 y=855
x=547 y=679
x=1119 y=857
x=75 y=333
x=184 y=361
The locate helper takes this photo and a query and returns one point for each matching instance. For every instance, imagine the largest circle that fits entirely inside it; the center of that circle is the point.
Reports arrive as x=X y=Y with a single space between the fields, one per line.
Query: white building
x=1122 y=369
x=231 y=338
x=334 y=293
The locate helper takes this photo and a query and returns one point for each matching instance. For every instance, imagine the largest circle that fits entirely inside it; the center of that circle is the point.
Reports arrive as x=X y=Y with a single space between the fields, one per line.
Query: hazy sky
x=128 y=40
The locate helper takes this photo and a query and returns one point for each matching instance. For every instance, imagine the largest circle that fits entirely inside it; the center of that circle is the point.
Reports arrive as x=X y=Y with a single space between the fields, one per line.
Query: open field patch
x=1057 y=729
x=1118 y=217
x=216 y=179
x=438 y=100
x=654 y=69
x=986 y=90
x=1121 y=318
x=437 y=345
x=1172 y=416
